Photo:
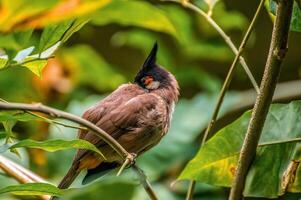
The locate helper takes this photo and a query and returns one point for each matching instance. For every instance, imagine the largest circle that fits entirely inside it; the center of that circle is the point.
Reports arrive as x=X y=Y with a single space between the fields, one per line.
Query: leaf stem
x=224 y=36
x=64 y=115
x=29 y=61
x=225 y=88
x=145 y=183
x=278 y=49
x=189 y=195
x=51 y=120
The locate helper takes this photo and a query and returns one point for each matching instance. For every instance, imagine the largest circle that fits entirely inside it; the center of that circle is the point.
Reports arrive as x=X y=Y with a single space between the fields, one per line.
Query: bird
x=137 y=115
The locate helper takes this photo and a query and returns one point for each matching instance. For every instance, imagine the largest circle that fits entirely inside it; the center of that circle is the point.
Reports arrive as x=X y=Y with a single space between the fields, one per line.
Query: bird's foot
x=132 y=158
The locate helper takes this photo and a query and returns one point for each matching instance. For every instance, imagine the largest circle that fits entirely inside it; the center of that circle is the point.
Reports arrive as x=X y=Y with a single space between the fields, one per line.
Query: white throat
x=153 y=85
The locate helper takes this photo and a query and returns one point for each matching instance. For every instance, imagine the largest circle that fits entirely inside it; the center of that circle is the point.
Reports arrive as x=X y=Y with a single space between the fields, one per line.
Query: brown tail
x=69 y=177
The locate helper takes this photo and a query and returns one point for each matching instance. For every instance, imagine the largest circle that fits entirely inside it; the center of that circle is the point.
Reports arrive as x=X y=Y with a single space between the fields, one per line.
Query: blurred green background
x=105 y=54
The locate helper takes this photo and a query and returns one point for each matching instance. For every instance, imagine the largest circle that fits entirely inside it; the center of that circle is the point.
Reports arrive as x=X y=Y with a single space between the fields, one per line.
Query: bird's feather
x=134 y=119
x=99 y=171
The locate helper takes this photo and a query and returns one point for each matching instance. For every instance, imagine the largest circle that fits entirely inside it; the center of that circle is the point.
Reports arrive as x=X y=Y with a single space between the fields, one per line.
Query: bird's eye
x=150 y=83
x=147 y=80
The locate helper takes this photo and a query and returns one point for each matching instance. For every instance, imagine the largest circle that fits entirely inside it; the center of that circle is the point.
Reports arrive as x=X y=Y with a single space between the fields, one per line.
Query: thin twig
x=13 y=172
x=224 y=36
x=9 y=64
x=231 y=72
x=51 y=120
x=125 y=163
x=145 y=183
x=29 y=61
x=21 y=174
x=225 y=88
x=64 y=115
x=189 y=195
x=278 y=49
x=95 y=129
x=129 y=160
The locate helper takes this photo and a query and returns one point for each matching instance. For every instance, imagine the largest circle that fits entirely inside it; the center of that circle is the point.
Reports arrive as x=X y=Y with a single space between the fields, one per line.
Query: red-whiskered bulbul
x=137 y=115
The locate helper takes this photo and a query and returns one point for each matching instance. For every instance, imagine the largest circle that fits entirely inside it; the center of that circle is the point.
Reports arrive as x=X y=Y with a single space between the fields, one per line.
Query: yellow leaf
x=36 y=66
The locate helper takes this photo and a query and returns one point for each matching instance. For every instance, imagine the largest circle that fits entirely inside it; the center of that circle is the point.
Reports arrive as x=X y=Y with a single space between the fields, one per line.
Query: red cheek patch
x=148 y=80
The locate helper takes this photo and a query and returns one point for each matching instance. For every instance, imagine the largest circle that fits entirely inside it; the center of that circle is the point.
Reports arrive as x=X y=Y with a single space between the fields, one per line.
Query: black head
x=151 y=76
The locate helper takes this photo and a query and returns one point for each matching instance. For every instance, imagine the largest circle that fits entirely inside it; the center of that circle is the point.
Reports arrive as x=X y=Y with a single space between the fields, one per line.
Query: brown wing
x=136 y=123
x=122 y=94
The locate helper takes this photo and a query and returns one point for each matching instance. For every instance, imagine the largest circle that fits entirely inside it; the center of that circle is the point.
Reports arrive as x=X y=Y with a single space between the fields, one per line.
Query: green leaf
x=21 y=55
x=2 y=134
x=48 y=52
x=33 y=189
x=3 y=62
x=34 y=65
x=8 y=126
x=211 y=3
x=296 y=18
x=16 y=40
x=111 y=188
x=57 y=145
x=216 y=162
x=296 y=15
x=272 y=7
x=52 y=34
x=91 y=69
x=76 y=26
x=16 y=116
x=60 y=32
x=134 y=13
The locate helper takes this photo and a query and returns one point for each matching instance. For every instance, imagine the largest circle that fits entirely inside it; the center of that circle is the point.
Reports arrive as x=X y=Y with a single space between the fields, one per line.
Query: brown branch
x=95 y=129
x=278 y=49
x=64 y=115
x=21 y=174
x=50 y=121
x=145 y=183
x=227 y=39
x=225 y=88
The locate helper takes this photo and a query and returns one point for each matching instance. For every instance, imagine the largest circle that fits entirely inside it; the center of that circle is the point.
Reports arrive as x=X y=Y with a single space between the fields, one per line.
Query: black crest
x=150 y=67
x=151 y=59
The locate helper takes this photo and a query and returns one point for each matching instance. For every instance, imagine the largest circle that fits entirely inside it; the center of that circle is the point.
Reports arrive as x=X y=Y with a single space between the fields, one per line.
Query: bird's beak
x=151 y=59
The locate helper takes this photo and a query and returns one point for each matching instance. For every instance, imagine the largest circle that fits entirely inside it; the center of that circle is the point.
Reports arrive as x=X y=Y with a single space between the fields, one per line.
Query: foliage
x=56 y=145
x=275 y=169
x=296 y=15
x=78 y=51
x=134 y=13
x=32 y=189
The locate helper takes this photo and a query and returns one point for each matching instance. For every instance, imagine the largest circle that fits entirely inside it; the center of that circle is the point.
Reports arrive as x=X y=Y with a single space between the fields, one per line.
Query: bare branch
x=50 y=120
x=225 y=88
x=189 y=195
x=223 y=35
x=129 y=160
x=21 y=174
x=95 y=129
x=64 y=115
x=145 y=183
x=9 y=64
x=278 y=49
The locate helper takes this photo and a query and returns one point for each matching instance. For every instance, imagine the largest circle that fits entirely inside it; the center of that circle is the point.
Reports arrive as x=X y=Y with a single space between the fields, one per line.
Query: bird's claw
x=132 y=158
